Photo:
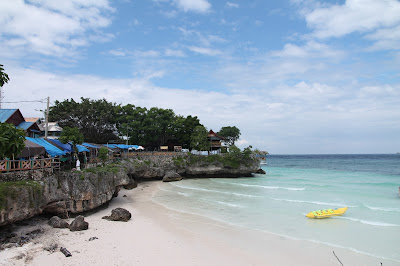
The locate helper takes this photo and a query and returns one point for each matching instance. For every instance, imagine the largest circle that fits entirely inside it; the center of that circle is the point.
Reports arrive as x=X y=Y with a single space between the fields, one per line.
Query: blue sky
x=296 y=76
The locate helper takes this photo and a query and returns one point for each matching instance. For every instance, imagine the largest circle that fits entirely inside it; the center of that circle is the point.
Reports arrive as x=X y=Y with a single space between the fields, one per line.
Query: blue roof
x=89 y=145
x=67 y=147
x=82 y=148
x=6 y=113
x=25 y=125
x=112 y=146
x=50 y=149
x=126 y=147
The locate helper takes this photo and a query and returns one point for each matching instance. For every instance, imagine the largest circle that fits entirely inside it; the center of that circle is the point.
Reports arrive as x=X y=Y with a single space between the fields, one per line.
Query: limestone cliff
x=189 y=166
x=58 y=193
x=25 y=194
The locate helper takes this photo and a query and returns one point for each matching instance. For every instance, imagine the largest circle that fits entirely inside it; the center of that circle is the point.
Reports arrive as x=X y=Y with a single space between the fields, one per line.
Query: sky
x=295 y=76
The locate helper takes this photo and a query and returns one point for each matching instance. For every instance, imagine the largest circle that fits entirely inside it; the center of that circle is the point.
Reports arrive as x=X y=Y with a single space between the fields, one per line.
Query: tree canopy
x=12 y=140
x=72 y=135
x=231 y=134
x=199 y=139
x=101 y=121
x=95 y=119
x=3 y=76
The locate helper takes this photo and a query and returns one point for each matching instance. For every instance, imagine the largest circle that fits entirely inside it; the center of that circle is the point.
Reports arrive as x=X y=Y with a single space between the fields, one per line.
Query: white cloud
x=352 y=16
x=232 y=5
x=174 y=53
x=385 y=39
x=284 y=119
x=200 y=6
x=311 y=49
x=117 y=52
x=204 y=50
x=51 y=27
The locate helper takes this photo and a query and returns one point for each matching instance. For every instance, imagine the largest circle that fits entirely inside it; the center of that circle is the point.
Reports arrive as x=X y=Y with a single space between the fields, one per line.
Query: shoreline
x=156 y=235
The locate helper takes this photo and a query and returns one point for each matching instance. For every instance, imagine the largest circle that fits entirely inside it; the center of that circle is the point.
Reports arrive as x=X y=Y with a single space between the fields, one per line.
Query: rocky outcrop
x=75 y=192
x=167 y=167
x=119 y=214
x=59 y=194
x=57 y=222
x=79 y=224
x=172 y=176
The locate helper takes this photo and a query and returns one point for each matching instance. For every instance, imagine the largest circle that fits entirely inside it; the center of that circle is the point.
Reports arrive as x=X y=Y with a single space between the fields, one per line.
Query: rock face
x=172 y=176
x=57 y=222
x=165 y=168
x=79 y=224
x=131 y=185
x=61 y=193
x=119 y=214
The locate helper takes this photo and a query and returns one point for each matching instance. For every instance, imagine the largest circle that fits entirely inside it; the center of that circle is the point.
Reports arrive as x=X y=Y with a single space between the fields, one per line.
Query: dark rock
x=124 y=196
x=119 y=214
x=79 y=224
x=57 y=222
x=65 y=251
x=172 y=176
x=131 y=185
x=58 y=208
x=93 y=238
x=260 y=171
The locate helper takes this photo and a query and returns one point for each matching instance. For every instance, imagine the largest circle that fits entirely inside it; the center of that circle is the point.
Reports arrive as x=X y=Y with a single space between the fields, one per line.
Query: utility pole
x=47 y=118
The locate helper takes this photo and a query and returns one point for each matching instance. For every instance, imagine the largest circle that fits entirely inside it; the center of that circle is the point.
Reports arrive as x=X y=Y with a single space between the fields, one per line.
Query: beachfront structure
x=14 y=116
x=215 y=140
x=54 y=130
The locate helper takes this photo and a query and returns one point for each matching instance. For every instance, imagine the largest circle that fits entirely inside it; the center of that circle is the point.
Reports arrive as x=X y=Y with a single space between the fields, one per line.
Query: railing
x=25 y=165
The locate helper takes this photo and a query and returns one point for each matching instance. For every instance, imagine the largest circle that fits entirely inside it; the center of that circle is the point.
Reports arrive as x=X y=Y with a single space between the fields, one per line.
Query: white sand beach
x=158 y=236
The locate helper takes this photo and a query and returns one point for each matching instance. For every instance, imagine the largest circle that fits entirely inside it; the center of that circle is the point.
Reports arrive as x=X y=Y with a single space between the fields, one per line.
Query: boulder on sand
x=57 y=222
x=119 y=214
x=79 y=224
x=172 y=176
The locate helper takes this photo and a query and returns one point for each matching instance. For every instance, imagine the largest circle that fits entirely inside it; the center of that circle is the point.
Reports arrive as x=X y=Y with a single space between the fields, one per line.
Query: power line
x=37 y=101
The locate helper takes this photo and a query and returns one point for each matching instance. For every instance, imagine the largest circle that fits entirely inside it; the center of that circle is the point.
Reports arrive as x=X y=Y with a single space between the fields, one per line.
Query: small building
x=54 y=130
x=14 y=116
x=215 y=140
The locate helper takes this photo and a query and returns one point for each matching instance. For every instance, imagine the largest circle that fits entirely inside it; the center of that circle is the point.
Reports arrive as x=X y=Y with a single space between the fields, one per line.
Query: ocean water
x=297 y=184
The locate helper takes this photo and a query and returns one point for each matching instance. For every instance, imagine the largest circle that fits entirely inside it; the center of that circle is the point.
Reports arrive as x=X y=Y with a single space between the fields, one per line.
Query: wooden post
x=47 y=119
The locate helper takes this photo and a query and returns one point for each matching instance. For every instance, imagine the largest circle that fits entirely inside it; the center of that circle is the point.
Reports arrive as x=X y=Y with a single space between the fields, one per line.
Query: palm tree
x=3 y=76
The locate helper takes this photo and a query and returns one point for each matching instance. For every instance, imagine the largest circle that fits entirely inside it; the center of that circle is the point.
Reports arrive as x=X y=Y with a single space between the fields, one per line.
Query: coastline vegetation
x=106 y=168
x=232 y=158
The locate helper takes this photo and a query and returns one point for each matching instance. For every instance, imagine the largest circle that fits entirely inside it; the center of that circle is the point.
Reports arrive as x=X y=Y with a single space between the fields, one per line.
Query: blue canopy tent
x=53 y=151
x=127 y=147
x=90 y=145
x=82 y=148
x=67 y=147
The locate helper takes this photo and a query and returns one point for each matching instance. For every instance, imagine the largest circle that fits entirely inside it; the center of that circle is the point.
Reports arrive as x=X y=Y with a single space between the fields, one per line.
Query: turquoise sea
x=297 y=184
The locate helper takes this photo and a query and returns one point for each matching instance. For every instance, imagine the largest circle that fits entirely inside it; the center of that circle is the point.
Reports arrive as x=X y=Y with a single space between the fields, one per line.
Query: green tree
x=3 y=76
x=103 y=154
x=72 y=135
x=155 y=126
x=12 y=140
x=96 y=119
x=183 y=129
x=129 y=123
x=231 y=134
x=199 y=139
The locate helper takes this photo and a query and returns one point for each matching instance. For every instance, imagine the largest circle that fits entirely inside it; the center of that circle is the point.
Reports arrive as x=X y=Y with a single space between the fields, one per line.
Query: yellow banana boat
x=326 y=213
